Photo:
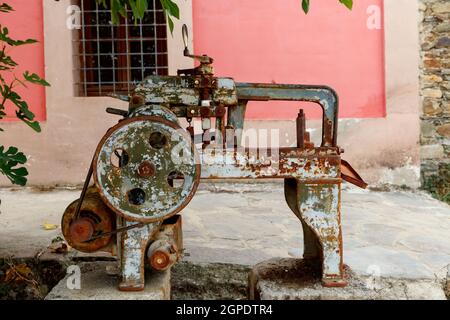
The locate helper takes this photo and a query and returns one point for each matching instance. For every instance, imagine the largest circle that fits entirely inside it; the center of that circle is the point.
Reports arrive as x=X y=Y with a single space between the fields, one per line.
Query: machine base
x=96 y=284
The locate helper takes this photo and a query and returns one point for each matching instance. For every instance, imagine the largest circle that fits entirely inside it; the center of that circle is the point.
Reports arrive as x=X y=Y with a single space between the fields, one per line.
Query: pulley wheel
x=95 y=218
x=146 y=169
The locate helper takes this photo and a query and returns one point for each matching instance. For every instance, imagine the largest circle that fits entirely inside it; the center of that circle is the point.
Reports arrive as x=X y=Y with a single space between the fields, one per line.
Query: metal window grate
x=114 y=58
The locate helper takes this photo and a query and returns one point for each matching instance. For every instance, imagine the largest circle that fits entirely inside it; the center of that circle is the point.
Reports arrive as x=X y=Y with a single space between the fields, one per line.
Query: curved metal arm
x=326 y=97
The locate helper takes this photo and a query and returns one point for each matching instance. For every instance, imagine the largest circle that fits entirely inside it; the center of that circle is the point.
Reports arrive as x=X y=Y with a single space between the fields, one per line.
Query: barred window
x=114 y=58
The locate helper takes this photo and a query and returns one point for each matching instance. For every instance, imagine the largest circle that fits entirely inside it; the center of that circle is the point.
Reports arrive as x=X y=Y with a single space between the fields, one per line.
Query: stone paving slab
x=295 y=279
x=396 y=234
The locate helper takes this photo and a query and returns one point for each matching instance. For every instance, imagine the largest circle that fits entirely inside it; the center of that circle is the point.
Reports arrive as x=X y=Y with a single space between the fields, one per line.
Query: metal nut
x=146 y=170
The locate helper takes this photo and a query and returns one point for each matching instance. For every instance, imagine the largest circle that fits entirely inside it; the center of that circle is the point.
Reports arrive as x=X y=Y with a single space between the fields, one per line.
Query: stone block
x=441 y=7
x=431 y=108
x=435 y=151
x=296 y=279
x=443 y=27
x=97 y=283
x=443 y=42
x=432 y=93
x=444 y=130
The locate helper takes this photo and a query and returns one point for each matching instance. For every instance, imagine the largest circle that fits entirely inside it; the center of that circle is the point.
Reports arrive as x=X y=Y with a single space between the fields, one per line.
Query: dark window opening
x=114 y=58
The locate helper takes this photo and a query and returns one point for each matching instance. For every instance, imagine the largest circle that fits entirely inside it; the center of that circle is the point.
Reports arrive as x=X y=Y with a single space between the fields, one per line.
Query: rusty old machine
x=147 y=168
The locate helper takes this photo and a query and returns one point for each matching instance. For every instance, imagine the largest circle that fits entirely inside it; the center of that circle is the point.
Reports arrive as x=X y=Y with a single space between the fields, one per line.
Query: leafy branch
x=172 y=11
x=138 y=8
x=306 y=4
x=8 y=162
x=11 y=159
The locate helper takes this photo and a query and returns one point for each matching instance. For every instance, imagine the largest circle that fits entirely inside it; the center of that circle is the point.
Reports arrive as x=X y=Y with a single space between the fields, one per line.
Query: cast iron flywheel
x=146 y=168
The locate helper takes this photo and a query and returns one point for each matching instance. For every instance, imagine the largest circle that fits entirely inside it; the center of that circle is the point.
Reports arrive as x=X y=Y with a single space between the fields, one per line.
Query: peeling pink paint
x=273 y=41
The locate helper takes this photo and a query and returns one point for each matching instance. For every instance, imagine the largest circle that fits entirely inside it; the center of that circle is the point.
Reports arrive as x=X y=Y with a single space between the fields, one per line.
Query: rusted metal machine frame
x=312 y=175
x=133 y=245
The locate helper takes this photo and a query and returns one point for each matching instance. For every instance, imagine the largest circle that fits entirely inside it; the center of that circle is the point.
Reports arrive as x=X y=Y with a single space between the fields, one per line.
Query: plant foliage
x=11 y=159
x=138 y=8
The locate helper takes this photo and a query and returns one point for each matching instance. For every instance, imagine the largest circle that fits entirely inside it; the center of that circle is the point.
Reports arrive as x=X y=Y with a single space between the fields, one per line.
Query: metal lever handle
x=202 y=59
x=185 y=40
x=118 y=112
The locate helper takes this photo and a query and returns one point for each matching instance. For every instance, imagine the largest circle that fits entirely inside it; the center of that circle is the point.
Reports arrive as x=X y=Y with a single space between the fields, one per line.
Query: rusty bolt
x=197 y=82
x=137 y=100
x=220 y=111
x=205 y=112
x=160 y=260
x=81 y=230
x=146 y=170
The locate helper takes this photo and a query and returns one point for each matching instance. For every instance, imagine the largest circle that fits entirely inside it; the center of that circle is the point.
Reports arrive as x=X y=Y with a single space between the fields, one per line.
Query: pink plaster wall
x=273 y=41
x=23 y=23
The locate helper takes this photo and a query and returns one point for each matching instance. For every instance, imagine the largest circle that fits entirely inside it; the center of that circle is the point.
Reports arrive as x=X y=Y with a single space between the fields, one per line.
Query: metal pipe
x=326 y=97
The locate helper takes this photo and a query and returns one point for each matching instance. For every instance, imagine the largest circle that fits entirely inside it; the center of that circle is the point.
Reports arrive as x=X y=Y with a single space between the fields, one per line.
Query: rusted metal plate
x=350 y=175
x=154 y=111
x=171 y=90
x=133 y=244
x=123 y=185
x=303 y=164
x=319 y=206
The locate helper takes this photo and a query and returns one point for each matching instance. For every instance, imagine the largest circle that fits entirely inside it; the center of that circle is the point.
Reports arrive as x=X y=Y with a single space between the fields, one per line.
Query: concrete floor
x=391 y=234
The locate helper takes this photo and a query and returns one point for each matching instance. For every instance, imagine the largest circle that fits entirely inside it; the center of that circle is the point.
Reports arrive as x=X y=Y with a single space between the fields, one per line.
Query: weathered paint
x=148 y=165
x=319 y=207
x=132 y=260
x=324 y=96
x=236 y=116
x=184 y=91
x=308 y=164
x=311 y=245
x=161 y=200
x=154 y=111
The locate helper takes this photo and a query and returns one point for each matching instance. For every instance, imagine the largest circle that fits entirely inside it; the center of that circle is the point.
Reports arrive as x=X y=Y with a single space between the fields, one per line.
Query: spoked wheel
x=146 y=169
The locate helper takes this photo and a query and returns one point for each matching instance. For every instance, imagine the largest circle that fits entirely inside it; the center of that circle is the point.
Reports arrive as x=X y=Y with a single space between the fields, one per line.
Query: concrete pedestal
x=98 y=283
x=296 y=279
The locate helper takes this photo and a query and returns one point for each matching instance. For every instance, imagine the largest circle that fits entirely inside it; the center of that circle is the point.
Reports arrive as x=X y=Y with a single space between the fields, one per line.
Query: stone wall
x=435 y=95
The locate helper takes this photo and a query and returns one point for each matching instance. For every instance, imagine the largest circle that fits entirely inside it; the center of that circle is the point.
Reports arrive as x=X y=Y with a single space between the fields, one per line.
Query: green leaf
x=34 y=78
x=347 y=3
x=141 y=7
x=171 y=8
x=8 y=165
x=28 y=120
x=4 y=7
x=118 y=8
x=24 y=112
x=4 y=32
x=171 y=24
x=12 y=154
x=305 y=6
x=7 y=61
